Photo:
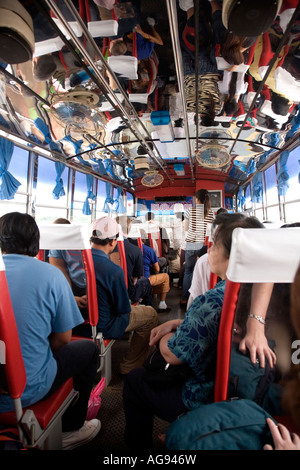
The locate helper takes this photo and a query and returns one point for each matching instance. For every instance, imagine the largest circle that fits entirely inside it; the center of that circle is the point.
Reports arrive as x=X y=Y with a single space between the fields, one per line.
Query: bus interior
x=86 y=133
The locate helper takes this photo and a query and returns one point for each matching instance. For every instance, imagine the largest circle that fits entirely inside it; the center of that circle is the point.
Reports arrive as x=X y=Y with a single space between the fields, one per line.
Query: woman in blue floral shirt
x=192 y=341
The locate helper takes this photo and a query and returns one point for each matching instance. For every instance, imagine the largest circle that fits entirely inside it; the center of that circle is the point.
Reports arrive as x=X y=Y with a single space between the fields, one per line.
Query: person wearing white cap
x=116 y=314
x=178 y=237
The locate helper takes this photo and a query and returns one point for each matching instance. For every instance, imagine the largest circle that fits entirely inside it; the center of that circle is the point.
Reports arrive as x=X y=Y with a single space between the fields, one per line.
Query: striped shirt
x=197 y=223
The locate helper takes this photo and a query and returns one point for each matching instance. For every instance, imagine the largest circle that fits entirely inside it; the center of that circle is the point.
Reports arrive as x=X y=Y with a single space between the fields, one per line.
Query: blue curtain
x=118 y=202
x=295 y=124
x=240 y=198
x=273 y=139
x=257 y=188
x=59 y=191
x=109 y=167
x=109 y=200
x=76 y=143
x=39 y=123
x=282 y=174
x=251 y=167
x=86 y=210
x=9 y=184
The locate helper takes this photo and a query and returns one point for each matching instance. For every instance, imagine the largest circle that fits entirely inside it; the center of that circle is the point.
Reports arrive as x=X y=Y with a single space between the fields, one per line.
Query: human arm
x=164 y=329
x=154 y=37
x=255 y=340
x=283 y=439
x=165 y=351
x=82 y=301
x=60 y=264
x=58 y=340
x=155 y=267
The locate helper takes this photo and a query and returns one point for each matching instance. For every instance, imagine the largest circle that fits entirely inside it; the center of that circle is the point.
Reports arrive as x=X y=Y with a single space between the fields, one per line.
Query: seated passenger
x=70 y=262
x=139 y=287
x=45 y=311
x=160 y=282
x=144 y=42
x=192 y=341
x=116 y=315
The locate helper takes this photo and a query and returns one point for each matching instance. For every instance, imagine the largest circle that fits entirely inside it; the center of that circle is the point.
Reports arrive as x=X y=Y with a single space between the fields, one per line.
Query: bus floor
x=111 y=414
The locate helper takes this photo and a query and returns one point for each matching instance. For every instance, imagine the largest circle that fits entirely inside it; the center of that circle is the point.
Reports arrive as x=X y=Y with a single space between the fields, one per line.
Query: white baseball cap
x=105 y=227
x=178 y=208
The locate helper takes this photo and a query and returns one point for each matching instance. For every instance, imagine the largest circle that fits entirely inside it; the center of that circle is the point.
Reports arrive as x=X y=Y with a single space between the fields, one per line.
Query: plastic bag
x=95 y=400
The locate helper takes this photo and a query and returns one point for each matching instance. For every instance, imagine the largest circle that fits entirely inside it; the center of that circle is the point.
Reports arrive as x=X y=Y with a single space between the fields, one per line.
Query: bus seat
x=39 y=425
x=97 y=26
x=256 y=256
x=76 y=237
x=124 y=65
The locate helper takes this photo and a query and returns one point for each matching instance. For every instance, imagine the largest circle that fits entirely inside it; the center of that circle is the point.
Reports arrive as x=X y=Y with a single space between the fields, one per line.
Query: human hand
x=283 y=439
x=81 y=301
x=161 y=330
x=256 y=342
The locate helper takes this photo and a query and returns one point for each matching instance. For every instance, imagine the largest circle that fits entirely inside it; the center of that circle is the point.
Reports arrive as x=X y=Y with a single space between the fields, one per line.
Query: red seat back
x=10 y=347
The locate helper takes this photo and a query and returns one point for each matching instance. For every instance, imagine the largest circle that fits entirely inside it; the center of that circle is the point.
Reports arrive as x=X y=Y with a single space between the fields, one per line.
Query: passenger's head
x=233 y=47
x=104 y=230
x=61 y=220
x=219 y=252
x=279 y=104
x=227 y=224
x=118 y=47
x=19 y=234
x=231 y=106
x=202 y=196
x=179 y=211
x=43 y=67
x=207 y=119
x=125 y=223
x=149 y=216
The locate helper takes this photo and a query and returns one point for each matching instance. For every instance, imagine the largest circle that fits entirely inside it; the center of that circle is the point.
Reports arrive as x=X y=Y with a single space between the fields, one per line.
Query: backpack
x=248 y=380
x=227 y=425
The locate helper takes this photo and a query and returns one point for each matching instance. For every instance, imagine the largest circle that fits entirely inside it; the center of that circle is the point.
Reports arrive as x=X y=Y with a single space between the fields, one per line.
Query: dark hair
x=61 y=220
x=279 y=104
x=208 y=117
x=19 y=234
x=44 y=67
x=149 y=216
x=203 y=197
x=231 y=48
x=101 y=241
x=224 y=231
x=231 y=106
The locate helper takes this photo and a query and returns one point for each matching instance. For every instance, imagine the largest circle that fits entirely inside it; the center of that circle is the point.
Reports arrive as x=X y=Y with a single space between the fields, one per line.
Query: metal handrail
x=103 y=82
x=173 y=21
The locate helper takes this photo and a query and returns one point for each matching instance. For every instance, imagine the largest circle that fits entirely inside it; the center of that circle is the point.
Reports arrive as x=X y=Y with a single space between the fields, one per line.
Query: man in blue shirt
x=71 y=264
x=116 y=315
x=46 y=311
x=160 y=282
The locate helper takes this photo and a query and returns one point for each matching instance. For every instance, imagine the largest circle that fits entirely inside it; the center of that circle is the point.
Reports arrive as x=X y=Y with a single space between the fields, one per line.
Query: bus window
x=47 y=208
x=80 y=195
x=18 y=167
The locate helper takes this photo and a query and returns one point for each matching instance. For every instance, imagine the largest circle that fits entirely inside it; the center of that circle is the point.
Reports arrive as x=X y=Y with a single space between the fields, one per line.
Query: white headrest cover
x=260 y=255
x=65 y=237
